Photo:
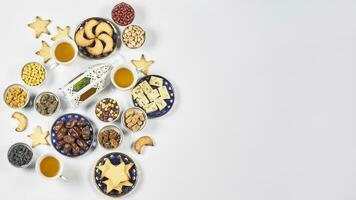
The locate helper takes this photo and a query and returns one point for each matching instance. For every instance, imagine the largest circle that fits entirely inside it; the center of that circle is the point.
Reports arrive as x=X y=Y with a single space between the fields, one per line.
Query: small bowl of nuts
x=133 y=36
x=134 y=119
x=16 y=96
x=47 y=103
x=110 y=137
x=33 y=74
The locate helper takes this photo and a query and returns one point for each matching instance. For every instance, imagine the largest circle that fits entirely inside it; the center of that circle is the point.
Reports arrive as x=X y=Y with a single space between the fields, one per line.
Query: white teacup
x=58 y=46
x=133 y=72
x=43 y=165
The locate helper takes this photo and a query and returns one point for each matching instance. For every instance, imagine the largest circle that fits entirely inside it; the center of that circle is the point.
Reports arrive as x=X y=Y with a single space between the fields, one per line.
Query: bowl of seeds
x=33 y=74
x=134 y=119
x=110 y=137
x=47 y=103
x=133 y=36
x=16 y=96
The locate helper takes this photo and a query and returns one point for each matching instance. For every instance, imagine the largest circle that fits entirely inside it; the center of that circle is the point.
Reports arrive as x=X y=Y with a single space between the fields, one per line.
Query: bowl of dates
x=72 y=135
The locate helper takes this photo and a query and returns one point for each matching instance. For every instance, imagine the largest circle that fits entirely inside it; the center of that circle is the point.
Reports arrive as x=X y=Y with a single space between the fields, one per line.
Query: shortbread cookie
x=109 y=42
x=97 y=49
x=45 y=52
x=89 y=28
x=61 y=33
x=81 y=40
x=104 y=27
x=40 y=26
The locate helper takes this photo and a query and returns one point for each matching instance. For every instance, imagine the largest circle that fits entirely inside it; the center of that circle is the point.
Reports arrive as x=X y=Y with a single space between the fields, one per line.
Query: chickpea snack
x=33 y=74
x=16 y=96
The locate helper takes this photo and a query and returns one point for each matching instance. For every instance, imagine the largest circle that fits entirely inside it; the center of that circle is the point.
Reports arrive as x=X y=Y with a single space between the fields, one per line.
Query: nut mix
x=16 y=96
x=72 y=135
x=133 y=36
x=107 y=110
x=33 y=74
x=109 y=138
x=123 y=14
x=47 y=103
x=134 y=119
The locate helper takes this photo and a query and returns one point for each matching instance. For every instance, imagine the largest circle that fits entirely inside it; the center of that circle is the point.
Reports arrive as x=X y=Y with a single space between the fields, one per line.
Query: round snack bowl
x=65 y=118
x=38 y=97
x=108 y=127
x=116 y=37
x=133 y=71
x=116 y=158
x=18 y=86
x=123 y=36
x=43 y=67
x=26 y=146
x=123 y=123
x=101 y=101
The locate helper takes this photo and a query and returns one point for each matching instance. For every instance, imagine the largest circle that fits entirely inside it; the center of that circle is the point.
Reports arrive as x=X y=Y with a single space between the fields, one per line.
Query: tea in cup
x=49 y=167
x=123 y=77
x=64 y=51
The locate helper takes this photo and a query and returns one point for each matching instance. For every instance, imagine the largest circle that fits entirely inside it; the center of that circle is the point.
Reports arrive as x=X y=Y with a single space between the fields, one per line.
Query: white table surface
x=265 y=104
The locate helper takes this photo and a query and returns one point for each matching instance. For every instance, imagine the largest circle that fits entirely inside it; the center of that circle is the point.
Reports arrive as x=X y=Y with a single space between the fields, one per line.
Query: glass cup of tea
x=124 y=77
x=49 y=167
x=63 y=52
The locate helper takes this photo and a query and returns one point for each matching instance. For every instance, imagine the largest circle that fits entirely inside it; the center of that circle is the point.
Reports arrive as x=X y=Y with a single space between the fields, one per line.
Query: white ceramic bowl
x=45 y=73
x=123 y=119
x=20 y=86
x=117 y=129
x=133 y=71
x=37 y=99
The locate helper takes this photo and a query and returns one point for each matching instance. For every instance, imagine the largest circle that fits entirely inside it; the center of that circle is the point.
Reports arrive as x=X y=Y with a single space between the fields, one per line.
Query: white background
x=265 y=103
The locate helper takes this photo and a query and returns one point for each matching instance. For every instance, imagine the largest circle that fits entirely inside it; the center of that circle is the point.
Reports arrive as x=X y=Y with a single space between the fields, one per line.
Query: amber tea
x=50 y=166
x=64 y=52
x=123 y=77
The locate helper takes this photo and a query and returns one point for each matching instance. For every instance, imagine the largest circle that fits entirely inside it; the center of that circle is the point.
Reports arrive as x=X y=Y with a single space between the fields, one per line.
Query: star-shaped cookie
x=118 y=176
x=44 y=52
x=38 y=137
x=142 y=64
x=110 y=186
x=61 y=33
x=40 y=26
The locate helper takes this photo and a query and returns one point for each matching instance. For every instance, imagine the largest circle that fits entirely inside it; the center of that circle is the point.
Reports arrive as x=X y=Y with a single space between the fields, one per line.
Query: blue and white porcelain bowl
x=169 y=102
x=115 y=158
x=65 y=118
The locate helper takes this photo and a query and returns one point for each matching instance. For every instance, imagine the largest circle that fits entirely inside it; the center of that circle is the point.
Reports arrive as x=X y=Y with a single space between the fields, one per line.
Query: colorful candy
x=107 y=110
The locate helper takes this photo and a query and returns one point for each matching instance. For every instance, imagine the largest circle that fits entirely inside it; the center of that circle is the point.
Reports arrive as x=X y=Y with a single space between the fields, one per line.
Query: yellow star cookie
x=38 y=137
x=110 y=186
x=116 y=175
x=142 y=64
x=40 y=26
x=104 y=168
x=120 y=185
x=44 y=52
x=127 y=169
x=61 y=33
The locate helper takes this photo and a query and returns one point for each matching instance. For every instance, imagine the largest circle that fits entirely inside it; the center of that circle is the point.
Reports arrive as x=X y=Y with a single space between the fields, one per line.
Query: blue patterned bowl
x=65 y=118
x=115 y=158
x=169 y=102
